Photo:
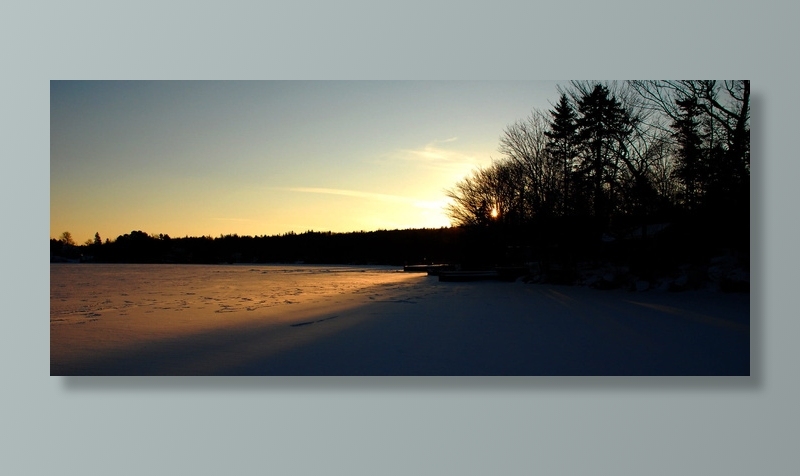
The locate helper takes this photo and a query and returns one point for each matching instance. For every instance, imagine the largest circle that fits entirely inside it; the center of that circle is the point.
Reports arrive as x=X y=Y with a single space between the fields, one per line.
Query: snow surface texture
x=316 y=320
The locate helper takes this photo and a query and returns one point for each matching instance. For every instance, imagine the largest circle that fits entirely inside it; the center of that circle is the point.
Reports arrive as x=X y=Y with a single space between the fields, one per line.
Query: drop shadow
x=758 y=240
x=415 y=384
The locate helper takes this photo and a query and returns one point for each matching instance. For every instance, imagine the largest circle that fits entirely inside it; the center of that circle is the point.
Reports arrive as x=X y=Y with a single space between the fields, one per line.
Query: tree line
x=622 y=149
x=612 y=160
x=389 y=247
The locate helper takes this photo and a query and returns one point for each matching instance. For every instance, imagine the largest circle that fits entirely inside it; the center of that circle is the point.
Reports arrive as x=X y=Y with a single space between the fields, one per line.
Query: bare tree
x=489 y=195
x=722 y=113
x=726 y=103
x=524 y=143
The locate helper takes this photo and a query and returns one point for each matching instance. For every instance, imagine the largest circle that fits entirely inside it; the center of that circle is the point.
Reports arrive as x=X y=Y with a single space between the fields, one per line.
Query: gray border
x=432 y=425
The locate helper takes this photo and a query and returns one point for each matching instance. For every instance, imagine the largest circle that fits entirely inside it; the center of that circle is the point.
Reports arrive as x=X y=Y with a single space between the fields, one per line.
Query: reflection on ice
x=94 y=291
x=306 y=320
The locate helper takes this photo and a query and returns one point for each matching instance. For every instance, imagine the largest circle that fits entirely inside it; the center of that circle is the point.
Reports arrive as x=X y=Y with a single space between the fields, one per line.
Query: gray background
x=624 y=426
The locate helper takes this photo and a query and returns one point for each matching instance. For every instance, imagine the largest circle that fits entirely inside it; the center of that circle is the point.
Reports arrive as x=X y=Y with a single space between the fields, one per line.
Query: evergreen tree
x=691 y=168
x=561 y=146
x=602 y=128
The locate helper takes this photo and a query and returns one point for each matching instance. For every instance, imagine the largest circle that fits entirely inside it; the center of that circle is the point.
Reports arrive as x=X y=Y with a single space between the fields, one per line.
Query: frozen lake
x=345 y=320
x=88 y=292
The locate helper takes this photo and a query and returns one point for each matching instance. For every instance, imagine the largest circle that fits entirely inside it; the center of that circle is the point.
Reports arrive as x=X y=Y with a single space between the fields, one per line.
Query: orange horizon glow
x=212 y=158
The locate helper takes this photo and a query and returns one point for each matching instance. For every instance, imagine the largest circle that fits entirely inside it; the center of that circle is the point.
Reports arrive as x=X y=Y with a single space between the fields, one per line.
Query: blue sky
x=267 y=157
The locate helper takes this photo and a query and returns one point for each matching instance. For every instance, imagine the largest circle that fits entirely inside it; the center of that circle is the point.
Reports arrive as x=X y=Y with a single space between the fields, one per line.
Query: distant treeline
x=558 y=246
x=396 y=247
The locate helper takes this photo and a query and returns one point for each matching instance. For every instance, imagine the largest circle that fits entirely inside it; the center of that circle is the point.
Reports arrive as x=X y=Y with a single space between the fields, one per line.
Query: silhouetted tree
x=691 y=170
x=562 y=149
x=66 y=238
x=603 y=126
x=721 y=110
x=489 y=195
x=523 y=145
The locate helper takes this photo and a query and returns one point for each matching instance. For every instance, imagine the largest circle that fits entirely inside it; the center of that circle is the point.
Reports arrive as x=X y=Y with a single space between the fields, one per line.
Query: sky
x=210 y=158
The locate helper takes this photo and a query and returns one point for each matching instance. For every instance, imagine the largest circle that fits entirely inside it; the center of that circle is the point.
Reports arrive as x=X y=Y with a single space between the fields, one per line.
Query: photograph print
x=400 y=228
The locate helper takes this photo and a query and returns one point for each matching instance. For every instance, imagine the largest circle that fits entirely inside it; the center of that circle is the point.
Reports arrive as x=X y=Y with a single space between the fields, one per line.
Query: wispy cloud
x=436 y=156
x=428 y=204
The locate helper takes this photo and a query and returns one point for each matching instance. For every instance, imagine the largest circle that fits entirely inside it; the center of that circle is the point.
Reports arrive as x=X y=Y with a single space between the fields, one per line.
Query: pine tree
x=691 y=169
x=602 y=127
x=562 y=146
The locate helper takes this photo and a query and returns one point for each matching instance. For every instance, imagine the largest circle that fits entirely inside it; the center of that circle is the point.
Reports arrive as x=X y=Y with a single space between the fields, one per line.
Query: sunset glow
x=261 y=158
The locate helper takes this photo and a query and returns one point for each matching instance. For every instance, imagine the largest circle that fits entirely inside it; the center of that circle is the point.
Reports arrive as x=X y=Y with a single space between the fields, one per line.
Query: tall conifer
x=562 y=146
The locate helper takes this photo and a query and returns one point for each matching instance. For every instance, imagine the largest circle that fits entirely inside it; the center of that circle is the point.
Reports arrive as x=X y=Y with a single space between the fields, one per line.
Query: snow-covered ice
x=340 y=320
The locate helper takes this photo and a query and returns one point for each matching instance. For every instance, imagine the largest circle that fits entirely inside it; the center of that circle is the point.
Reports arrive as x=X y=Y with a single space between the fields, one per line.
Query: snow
x=311 y=320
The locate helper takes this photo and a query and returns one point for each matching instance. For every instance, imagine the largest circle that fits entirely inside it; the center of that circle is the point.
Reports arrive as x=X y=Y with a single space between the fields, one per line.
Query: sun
x=494 y=212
